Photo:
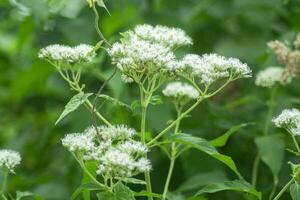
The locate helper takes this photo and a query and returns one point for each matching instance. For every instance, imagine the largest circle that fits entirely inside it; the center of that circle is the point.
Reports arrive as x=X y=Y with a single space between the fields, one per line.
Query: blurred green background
x=32 y=95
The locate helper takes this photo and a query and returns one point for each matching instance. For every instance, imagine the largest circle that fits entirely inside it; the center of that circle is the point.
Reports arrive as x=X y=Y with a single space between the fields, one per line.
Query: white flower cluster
x=77 y=54
x=113 y=148
x=9 y=159
x=269 y=77
x=170 y=37
x=179 y=91
x=290 y=120
x=210 y=67
x=135 y=55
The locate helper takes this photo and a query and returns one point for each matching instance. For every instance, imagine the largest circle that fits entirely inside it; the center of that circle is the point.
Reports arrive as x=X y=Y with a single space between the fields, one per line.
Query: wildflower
x=113 y=148
x=170 y=37
x=179 y=90
x=211 y=67
x=78 y=142
x=9 y=159
x=290 y=120
x=126 y=79
x=269 y=77
x=77 y=54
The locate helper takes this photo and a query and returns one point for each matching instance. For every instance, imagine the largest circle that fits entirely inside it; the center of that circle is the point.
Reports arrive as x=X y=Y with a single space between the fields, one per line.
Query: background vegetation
x=32 y=95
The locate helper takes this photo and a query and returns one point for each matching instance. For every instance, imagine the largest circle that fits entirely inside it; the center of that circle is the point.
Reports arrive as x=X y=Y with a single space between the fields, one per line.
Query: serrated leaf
x=272 y=155
x=295 y=191
x=20 y=195
x=204 y=146
x=73 y=104
x=114 y=100
x=236 y=185
x=222 y=140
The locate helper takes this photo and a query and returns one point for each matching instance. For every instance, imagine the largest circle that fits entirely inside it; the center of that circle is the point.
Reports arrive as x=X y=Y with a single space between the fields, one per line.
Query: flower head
x=180 y=91
x=62 y=53
x=269 y=77
x=290 y=120
x=211 y=67
x=9 y=159
x=170 y=37
x=112 y=147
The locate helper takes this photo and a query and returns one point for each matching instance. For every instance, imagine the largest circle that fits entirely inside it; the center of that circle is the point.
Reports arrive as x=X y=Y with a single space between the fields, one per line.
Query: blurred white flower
x=290 y=120
x=9 y=159
x=269 y=77
x=78 y=142
x=180 y=90
x=77 y=54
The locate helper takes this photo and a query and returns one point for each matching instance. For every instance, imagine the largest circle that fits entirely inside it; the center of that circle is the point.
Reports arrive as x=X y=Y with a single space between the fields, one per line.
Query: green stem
x=172 y=159
x=5 y=176
x=175 y=121
x=145 y=98
x=86 y=171
x=265 y=132
x=255 y=170
x=91 y=107
x=97 y=24
x=284 y=189
x=295 y=142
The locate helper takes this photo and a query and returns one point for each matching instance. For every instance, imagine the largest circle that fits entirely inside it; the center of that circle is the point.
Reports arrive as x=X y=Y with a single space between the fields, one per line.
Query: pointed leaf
x=21 y=195
x=120 y=192
x=272 y=155
x=295 y=191
x=222 y=140
x=73 y=104
x=204 y=146
x=236 y=185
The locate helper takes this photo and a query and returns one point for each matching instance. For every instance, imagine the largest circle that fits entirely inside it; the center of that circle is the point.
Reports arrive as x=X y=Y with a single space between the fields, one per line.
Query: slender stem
x=91 y=107
x=265 y=132
x=273 y=188
x=284 y=189
x=295 y=142
x=172 y=158
x=175 y=121
x=145 y=98
x=86 y=171
x=5 y=176
x=97 y=24
x=255 y=170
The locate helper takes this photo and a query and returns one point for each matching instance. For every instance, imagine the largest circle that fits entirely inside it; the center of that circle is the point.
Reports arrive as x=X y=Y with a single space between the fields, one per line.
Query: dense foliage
x=33 y=95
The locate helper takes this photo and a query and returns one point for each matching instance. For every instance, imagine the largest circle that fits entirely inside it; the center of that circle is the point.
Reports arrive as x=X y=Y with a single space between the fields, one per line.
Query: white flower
x=269 y=77
x=117 y=132
x=9 y=159
x=180 y=90
x=211 y=67
x=143 y=165
x=133 y=147
x=57 y=52
x=78 y=142
x=126 y=79
x=135 y=55
x=290 y=120
x=170 y=37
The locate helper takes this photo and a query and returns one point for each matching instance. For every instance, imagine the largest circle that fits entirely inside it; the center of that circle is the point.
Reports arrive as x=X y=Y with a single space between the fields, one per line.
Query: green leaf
x=147 y=194
x=21 y=195
x=173 y=196
x=295 y=191
x=114 y=100
x=90 y=186
x=73 y=104
x=132 y=180
x=201 y=179
x=236 y=185
x=120 y=192
x=271 y=151
x=204 y=146
x=222 y=140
